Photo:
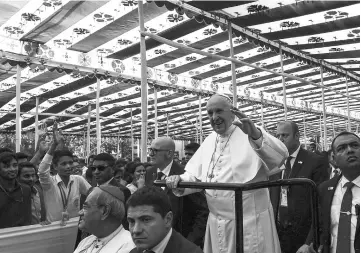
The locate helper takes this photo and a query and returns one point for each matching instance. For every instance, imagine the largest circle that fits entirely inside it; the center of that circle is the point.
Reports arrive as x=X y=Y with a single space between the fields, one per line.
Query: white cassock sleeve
x=272 y=151
x=196 y=164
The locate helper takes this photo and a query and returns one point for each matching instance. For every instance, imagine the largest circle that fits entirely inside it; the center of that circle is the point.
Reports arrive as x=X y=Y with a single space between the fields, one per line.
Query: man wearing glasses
x=161 y=155
x=15 y=198
x=188 y=211
x=103 y=172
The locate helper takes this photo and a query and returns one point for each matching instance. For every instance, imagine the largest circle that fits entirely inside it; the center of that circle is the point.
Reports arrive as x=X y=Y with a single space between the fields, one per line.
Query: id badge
x=64 y=218
x=284 y=196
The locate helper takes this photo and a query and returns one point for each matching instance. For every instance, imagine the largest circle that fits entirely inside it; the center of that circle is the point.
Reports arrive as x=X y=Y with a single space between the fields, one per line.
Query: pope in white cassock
x=236 y=152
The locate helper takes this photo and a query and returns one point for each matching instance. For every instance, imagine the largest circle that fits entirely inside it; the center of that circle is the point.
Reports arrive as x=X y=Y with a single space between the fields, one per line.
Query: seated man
x=101 y=216
x=15 y=198
x=27 y=176
x=150 y=223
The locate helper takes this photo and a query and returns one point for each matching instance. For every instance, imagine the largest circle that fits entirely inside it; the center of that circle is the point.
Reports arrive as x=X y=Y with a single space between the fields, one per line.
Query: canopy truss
x=64 y=47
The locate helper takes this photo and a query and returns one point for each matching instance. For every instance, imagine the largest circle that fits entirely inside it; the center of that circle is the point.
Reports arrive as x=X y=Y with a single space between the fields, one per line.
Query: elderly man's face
x=148 y=228
x=90 y=215
x=219 y=114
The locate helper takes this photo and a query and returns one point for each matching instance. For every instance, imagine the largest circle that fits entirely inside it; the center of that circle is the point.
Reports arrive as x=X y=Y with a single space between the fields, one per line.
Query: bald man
x=189 y=211
x=236 y=152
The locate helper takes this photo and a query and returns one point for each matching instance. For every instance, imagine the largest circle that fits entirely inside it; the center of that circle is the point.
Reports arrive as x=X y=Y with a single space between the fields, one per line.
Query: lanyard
x=65 y=199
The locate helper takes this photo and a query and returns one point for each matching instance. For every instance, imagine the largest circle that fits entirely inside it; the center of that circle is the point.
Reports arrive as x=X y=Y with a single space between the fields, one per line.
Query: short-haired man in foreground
x=339 y=201
x=101 y=216
x=150 y=224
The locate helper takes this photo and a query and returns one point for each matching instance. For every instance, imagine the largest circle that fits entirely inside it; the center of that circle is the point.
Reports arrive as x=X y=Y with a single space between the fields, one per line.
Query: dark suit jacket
x=190 y=212
x=177 y=244
x=307 y=165
x=326 y=191
x=176 y=202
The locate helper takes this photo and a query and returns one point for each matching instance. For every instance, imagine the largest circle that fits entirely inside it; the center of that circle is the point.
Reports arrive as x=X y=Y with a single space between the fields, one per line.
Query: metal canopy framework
x=65 y=49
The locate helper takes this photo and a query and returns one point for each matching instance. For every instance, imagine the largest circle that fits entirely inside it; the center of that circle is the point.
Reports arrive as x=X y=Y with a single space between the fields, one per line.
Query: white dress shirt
x=166 y=170
x=120 y=241
x=52 y=195
x=336 y=207
x=333 y=170
x=163 y=244
x=292 y=161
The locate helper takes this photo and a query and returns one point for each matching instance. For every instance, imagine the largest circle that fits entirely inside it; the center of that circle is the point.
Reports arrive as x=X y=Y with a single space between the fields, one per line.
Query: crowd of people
x=121 y=210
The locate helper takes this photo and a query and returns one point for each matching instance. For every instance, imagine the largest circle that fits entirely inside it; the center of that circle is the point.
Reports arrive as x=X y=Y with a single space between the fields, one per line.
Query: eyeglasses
x=189 y=153
x=154 y=151
x=100 y=168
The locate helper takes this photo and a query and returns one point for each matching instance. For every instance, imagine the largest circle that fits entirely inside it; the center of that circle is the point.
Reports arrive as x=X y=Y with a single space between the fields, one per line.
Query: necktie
x=335 y=173
x=288 y=167
x=160 y=175
x=344 y=223
x=283 y=210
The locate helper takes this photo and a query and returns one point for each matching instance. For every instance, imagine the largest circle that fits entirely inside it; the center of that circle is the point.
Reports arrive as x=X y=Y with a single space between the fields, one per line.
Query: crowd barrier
x=51 y=238
x=239 y=188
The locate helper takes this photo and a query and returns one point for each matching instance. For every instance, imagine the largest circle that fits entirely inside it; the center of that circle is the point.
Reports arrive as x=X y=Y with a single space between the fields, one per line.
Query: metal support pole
x=18 y=119
x=284 y=85
x=88 y=132
x=321 y=143
x=348 y=107
x=325 y=144
x=144 y=85
x=98 y=129
x=200 y=121
x=262 y=120
x=84 y=142
x=131 y=133
x=197 y=131
x=167 y=124
x=233 y=65
x=36 y=121
x=304 y=130
x=239 y=220
x=155 y=113
x=118 y=141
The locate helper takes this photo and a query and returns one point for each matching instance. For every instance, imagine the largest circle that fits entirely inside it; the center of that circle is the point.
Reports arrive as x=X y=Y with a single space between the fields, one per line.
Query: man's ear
x=106 y=209
x=297 y=135
x=169 y=219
